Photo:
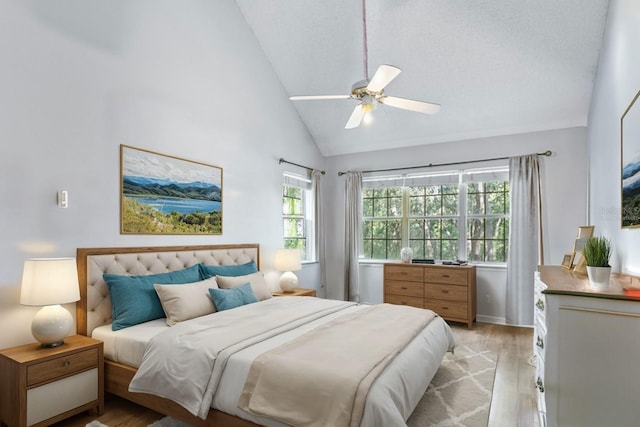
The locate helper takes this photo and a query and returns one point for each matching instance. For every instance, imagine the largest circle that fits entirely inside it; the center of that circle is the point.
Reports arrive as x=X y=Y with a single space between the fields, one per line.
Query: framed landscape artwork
x=161 y=194
x=630 y=141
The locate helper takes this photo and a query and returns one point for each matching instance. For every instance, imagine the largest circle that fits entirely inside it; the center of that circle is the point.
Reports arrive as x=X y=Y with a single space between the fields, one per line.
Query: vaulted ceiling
x=496 y=67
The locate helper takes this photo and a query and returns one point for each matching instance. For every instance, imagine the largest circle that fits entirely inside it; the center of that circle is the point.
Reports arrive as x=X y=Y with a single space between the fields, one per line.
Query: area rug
x=460 y=393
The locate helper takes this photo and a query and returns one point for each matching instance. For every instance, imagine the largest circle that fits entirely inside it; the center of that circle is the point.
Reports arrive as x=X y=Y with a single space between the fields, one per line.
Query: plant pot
x=599 y=277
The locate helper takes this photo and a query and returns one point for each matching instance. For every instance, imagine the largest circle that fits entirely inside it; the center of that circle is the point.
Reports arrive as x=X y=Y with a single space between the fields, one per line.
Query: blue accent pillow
x=225 y=299
x=134 y=299
x=208 y=271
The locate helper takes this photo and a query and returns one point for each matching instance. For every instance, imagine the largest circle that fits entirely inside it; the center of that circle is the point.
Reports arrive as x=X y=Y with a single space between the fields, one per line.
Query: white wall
x=564 y=186
x=617 y=82
x=184 y=78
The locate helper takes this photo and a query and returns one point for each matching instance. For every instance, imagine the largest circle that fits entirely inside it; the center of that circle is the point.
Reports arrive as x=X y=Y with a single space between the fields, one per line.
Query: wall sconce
x=49 y=282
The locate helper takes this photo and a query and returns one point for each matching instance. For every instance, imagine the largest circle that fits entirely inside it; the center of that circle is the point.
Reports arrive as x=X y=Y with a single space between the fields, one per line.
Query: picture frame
x=164 y=194
x=585 y=232
x=567 y=260
x=630 y=165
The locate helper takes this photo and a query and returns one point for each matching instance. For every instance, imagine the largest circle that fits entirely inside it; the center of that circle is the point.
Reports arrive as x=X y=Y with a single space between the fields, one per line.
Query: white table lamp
x=49 y=282
x=287 y=261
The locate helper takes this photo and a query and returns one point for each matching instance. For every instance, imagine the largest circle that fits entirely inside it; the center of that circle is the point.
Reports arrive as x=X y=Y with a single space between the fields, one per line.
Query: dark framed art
x=162 y=194
x=630 y=154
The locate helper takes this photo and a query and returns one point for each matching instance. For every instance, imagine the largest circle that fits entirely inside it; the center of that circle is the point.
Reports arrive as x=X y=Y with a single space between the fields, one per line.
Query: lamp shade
x=287 y=260
x=49 y=281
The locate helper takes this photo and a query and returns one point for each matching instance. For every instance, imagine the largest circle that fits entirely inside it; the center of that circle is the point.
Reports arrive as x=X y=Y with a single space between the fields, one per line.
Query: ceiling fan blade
x=316 y=97
x=410 y=104
x=355 y=118
x=383 y=76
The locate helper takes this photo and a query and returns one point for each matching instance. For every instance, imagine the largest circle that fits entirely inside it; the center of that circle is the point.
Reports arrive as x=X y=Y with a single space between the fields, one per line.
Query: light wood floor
x=513 y=403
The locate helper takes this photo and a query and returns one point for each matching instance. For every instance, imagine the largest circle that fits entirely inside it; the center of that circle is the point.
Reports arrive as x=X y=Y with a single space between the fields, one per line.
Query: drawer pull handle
x=539 y=385
x=445 y=308
x=445 y=275
x=66 y=363
x=404 y=273
x=445 y=292
x=404 y=288
x=540 y=304
x=540 y=343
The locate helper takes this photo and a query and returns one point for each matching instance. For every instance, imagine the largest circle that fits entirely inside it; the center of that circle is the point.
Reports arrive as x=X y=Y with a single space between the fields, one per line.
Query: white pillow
x=186 y=301
x=258 y=284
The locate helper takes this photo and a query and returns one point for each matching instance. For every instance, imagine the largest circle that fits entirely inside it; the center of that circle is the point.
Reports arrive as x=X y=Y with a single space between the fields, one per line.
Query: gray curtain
x=352 y=235
x=318 y=206
x=525 y=238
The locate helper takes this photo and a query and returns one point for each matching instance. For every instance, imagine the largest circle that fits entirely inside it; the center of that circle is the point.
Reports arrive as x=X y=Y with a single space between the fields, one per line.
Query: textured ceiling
x=497 y=67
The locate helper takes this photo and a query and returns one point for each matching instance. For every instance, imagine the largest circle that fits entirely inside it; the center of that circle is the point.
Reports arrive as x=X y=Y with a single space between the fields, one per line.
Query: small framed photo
x=567 y=260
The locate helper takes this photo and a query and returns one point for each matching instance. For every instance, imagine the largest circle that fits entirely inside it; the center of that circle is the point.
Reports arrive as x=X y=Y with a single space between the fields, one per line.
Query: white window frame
x=462 y=178
x=305 y=184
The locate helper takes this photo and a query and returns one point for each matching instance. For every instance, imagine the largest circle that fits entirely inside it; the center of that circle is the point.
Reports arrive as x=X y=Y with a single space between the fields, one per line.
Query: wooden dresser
x=449 y=290
x=587 y=349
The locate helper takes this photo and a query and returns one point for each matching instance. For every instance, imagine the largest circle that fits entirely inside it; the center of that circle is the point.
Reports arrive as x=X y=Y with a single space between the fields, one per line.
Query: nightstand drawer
x=446 y=275
x=406 y=273
x=62 y=366
x=404 y=300
x=48 y=400
x=446 y=292
x=411 y=289
x=447 y=309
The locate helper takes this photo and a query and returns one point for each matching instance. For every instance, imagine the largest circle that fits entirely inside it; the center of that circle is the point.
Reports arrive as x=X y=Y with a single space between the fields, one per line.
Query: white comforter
x=187 y=362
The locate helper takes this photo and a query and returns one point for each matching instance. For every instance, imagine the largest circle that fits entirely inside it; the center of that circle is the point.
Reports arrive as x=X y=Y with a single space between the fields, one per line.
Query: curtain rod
x=546 y=153
x=281 y=160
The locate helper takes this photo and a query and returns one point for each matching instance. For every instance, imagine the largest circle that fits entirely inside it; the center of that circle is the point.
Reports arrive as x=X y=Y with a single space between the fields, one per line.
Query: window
x=297 y=215
x=446 y=216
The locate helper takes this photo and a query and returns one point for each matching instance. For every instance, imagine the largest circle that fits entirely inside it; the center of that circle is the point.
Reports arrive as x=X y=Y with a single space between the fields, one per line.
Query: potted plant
x=596 y=253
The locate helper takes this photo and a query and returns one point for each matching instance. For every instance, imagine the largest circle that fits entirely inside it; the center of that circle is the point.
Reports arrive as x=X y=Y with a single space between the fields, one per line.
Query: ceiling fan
x=370 y=93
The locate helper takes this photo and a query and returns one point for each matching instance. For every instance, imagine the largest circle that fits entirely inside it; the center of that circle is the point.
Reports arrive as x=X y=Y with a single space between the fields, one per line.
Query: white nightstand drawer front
x=60 y=396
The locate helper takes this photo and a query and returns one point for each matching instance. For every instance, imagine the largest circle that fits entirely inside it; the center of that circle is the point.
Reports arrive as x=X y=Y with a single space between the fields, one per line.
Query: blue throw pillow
x=225 y=299
x=134 y=299
x=208 y=271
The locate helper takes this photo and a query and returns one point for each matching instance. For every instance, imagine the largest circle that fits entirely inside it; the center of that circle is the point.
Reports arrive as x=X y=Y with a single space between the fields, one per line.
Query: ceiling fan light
x=368 y=107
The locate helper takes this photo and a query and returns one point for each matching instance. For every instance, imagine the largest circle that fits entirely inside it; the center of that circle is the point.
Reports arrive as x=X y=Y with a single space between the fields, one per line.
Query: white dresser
x=587 y=347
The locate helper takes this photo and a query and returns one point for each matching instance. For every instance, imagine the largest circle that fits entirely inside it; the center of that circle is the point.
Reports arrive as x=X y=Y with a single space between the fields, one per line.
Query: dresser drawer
x=446 y=275
x=62 y=366
x=410 y=289
x=447 y=309
x=446 y=292
x=403 y=272
x=404 y=300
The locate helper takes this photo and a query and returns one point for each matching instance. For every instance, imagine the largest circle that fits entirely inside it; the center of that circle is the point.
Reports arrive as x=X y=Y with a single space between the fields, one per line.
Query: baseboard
x=491 y=319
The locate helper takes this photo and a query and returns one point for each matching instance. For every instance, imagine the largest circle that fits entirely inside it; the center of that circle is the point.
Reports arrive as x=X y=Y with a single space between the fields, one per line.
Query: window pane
x=475 y=250
x=432 y=249
x=416 y=206
x=295 y=220
x=450 y=204
x=433 y=205
x=450 y=249
x=416 y=229
x=494 y=228
x=475 y=228
x=449 y=229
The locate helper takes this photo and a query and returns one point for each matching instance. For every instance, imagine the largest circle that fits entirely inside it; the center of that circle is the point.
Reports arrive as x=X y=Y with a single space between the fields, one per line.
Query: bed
x=393 y=391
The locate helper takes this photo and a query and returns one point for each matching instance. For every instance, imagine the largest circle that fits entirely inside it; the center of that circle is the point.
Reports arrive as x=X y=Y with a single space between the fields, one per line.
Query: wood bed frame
x=117 y=375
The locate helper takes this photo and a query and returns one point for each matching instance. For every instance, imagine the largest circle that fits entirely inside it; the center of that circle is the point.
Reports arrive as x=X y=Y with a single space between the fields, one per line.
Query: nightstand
x=40 y=386
x=298 y=292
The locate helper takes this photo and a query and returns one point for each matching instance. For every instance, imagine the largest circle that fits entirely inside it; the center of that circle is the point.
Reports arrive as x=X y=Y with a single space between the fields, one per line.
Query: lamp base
x=51 y=324
x=288 y=281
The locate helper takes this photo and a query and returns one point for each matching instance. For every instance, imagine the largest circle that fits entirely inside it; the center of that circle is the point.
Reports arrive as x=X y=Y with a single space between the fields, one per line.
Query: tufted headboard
x=94 y=307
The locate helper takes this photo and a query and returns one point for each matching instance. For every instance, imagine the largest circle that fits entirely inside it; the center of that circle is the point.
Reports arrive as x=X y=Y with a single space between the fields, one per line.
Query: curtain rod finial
x=547 y=153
